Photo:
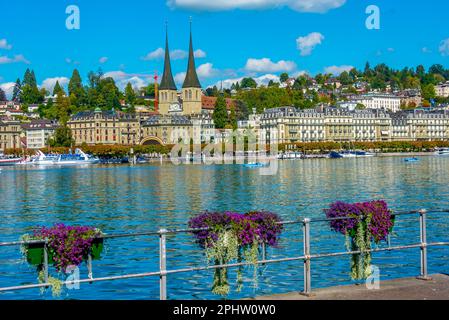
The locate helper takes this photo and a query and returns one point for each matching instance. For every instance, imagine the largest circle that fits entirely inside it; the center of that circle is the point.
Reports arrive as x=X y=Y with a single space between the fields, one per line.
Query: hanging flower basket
x=231 y=236
x=66 y=246
x=35 y=252
x=362 y=224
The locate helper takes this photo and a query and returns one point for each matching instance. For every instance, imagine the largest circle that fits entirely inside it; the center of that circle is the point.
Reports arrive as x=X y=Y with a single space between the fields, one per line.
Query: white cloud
x=391 y=50
x=426 y=50
x=265 y=79
x=307 y=43
x=199 y=54
x=103 y=60
x=8 y=87
x=70 y=61
x=337 y=70
x=15 y=59
x=180 y=77
x=444 y=47
x=50 y=83
x=122 y=78
x=319 y=6
x=262 y=80
x=154 y=55
x=207 y=71
x=268 y=66
x=177 y=54
x=299 y=73
x=5 y=45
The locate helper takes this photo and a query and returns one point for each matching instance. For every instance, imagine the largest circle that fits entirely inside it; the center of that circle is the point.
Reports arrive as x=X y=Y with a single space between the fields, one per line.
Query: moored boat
x=79 y=157
x=9 y=161
x=43 y=159
x=350 y=154
x=442 y=152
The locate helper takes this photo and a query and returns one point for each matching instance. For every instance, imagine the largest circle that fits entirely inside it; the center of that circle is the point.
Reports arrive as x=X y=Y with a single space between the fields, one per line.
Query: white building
x=378 y=101
x=351 y=105
x=442 y=90
x=38 y=133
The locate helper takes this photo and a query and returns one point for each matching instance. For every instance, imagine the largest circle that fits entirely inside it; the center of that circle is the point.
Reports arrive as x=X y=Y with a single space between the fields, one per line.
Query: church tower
x=168 y=93
x=191 y=89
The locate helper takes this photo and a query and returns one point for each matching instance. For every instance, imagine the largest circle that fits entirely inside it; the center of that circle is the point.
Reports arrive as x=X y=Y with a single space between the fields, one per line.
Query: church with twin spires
x=190 y=100
x=181 y=116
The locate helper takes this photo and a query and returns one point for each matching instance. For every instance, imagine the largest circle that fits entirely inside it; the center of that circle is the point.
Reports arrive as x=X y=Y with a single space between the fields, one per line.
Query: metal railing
x=307 y=257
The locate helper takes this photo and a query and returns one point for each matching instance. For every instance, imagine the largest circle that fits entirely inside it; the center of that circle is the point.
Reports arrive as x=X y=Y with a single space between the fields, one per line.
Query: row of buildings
x=33 y=135
x=290 y=125
x=187 y=114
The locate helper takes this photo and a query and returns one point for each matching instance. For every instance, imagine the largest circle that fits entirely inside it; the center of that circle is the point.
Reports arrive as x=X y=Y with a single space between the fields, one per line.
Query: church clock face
x=175 y=107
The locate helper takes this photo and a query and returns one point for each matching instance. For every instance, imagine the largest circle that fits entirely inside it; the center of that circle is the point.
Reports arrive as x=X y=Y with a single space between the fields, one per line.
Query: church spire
x=167 y=82
x=191 y=80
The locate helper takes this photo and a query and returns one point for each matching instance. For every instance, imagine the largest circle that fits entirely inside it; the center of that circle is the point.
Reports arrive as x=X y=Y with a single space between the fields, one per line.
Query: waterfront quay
x=436 y=288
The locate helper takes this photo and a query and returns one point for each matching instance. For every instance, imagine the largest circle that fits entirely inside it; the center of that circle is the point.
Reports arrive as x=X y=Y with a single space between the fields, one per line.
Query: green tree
x=76 y=90
x=29 y=92
x=248 y=83
x=2 y=95
x=150 y=90
x=62 y=137
x=57 y=89
x=220 y=115
x=428 y=92
x=241 y=109
x=283 y=77
x=233 y=118
x=345 y=78
x=62 y=105
x=17 y=90
x=130 y=95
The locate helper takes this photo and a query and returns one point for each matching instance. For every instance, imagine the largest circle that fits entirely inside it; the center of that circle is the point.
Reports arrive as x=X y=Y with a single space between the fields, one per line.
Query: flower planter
x=35 y=252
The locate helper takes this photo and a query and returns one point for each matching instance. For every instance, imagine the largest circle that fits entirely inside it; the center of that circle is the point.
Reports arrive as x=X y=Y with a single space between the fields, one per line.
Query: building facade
x=38 y=133
x=389 y=102
x=442 y=90
x=290 y=125
x=105 y=127
x=10 y=132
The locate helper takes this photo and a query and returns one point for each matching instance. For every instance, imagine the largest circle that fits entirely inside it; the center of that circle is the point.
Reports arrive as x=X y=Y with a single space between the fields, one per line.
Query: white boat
x=44 y=160
x=442 y=152
x=79 y=157
x=351 y=154
x=9 y=161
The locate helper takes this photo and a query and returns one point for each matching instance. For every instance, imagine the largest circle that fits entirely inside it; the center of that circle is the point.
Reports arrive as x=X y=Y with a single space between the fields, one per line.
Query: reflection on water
x=144 y=198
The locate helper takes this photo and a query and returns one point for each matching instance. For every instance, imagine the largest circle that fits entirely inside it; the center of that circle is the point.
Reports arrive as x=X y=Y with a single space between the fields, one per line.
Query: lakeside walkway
x=400 y=289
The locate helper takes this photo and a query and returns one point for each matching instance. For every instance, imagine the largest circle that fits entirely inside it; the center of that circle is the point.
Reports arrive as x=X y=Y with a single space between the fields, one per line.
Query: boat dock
x=437 y=288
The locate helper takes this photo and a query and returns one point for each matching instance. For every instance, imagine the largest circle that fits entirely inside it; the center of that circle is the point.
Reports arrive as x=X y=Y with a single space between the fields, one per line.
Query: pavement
x=401 y=289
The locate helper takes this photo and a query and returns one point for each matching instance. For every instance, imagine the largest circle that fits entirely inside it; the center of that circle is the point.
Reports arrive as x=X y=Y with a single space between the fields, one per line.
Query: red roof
x=209 y=102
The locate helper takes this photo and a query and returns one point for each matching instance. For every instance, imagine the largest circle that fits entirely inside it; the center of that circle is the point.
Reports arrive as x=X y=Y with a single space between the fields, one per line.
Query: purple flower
x=263 y=227
x=346 y=217
x=69 y=244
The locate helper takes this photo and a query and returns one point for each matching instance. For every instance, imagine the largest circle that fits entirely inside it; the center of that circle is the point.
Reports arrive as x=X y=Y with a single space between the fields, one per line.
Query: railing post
x=89 y=266
x=264 y=256
x=163 y=264
x=46 y=262
x=423 y=236
x=307 y=273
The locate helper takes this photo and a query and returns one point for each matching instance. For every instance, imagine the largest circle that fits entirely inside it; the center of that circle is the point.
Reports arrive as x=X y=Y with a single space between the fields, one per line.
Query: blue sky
x=259 y=38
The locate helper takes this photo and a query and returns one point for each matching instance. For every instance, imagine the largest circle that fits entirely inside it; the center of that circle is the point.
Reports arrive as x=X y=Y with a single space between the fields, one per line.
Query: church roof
x=167 y=82
x=191 y=80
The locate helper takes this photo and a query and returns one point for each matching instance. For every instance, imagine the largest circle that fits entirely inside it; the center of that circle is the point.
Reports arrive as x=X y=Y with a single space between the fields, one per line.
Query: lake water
x=121 y=199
